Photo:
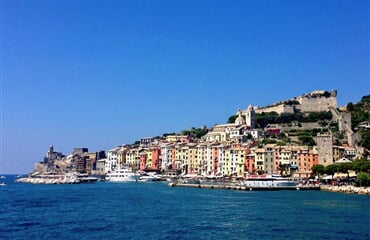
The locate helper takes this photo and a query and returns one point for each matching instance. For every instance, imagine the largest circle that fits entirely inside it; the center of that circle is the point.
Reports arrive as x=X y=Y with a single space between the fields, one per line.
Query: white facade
x=250 y=117
x=209 y=160
x=165 y=160
x=111 y=161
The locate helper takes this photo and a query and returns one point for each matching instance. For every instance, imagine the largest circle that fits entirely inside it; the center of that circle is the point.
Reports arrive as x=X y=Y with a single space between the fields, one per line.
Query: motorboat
x=122 y=175
x=149 y=178
x=85 y=178
x=270 y=182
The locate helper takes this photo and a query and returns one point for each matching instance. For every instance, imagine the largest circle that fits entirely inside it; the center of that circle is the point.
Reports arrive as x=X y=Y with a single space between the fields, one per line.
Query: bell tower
x=250 y=117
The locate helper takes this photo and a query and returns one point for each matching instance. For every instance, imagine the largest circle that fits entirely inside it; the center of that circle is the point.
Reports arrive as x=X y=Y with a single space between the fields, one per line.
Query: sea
x=106 y=210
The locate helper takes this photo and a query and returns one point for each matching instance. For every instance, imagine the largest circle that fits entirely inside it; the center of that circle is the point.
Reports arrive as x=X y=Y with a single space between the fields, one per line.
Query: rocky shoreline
x=46 y=181
x=345 y=189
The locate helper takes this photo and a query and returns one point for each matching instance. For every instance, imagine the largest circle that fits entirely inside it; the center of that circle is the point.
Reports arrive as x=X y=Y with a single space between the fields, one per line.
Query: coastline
x=226 y=185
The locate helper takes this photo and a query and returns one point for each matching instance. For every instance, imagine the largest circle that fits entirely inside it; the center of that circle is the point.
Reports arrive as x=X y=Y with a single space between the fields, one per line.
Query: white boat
x=85 y=178
x=2 y=177
x=3 y=184
x=149 y=178
x=270 y=182
x=122 y=175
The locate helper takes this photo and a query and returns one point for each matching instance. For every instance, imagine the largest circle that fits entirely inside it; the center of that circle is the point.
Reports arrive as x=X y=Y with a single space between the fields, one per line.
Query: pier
x=242 y=187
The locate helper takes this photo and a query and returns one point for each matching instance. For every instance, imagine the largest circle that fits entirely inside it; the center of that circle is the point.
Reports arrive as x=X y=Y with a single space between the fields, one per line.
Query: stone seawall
x=345 y=189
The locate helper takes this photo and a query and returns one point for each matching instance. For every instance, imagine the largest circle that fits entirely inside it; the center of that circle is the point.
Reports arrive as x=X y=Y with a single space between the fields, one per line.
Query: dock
x=241 y=187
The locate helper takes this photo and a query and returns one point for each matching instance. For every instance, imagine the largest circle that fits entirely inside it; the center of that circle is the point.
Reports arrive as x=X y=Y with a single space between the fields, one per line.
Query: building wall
x=192 y=160
x=250 y=163
x=306 y=160
x=143 y=161
x=156 y=160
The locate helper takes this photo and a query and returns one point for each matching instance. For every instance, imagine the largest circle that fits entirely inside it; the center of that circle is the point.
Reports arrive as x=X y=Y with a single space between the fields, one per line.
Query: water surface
x=154 y=211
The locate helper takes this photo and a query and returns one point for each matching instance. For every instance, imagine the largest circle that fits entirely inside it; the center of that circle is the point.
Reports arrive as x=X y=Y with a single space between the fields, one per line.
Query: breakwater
x=346 y=189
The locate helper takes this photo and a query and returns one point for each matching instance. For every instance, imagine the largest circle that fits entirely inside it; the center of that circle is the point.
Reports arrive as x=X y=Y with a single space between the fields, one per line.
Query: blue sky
x=96 y=74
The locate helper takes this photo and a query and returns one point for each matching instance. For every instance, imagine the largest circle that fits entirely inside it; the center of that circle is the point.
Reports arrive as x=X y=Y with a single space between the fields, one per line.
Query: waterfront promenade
x=241 y=187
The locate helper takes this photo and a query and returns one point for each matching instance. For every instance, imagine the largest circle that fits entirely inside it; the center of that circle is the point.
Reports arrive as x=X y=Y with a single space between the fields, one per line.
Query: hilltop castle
x=315 y=101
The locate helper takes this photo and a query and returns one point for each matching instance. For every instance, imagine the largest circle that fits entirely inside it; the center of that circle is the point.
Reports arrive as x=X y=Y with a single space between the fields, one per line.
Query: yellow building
x=181 y=157
x=121 y=156
x=238 y=168
x=149 y=158
x=192 y=158
x=260 y=159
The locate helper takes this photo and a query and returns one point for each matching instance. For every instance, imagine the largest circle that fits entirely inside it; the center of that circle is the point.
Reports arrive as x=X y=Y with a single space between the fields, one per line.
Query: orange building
x=306 y=160
x=143 y=160
x=215 y=159
x=249 y=165
x=156 y=160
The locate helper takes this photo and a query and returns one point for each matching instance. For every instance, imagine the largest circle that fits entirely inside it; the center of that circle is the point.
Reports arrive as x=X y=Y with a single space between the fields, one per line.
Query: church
x=244 y=123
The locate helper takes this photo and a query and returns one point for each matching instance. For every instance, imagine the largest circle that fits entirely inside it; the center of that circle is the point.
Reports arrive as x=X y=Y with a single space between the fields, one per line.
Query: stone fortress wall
x=315 y=101
x=280 y=108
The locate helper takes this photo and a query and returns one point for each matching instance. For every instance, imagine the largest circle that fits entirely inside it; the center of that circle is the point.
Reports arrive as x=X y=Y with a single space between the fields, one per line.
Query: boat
x=2 y=177
x=122 y=175
x=273 y=182
x=85 y=178
x=149 y=178
x=3 y=184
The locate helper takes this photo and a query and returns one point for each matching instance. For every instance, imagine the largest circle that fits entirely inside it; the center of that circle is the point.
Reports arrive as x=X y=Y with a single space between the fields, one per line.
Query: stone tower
x=325 y=148
x=51 y=151
x=250 y=117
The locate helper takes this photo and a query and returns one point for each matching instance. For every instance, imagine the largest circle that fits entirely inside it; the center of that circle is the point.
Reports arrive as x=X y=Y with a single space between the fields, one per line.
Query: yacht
x=270 y=182
x=122 y=175
x=85 y=178
x=149 y=178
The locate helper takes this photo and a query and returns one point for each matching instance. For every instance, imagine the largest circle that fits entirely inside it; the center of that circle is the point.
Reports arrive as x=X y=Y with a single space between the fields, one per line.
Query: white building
x=111 y=160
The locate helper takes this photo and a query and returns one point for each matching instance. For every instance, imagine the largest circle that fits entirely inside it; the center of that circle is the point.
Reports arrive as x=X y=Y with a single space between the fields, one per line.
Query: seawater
x=106 y=210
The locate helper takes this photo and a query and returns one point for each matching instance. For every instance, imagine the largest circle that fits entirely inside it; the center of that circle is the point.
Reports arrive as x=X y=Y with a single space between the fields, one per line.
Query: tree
x=306 y=140
x=232 y=119
x=344 y=168
x=331 y=169
x=365 y=138
x=366 y=99
x=350 y=107
x=363 y=179
x=361 y=165
x=318 y=169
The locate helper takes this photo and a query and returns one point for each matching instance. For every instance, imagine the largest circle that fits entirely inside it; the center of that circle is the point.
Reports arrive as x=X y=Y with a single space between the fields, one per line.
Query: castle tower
x=325 y=148
x=50 y=152
x=250 y=117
